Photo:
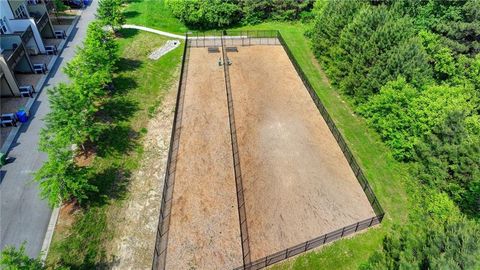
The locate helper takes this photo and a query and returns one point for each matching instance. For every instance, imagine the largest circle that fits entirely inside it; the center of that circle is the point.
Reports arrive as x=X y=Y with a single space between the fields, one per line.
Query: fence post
x=343 y=231
x=356 y=227
x=371 y=221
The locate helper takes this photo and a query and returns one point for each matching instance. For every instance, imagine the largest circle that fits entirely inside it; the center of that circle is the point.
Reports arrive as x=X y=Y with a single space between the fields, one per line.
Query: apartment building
x=26 y=36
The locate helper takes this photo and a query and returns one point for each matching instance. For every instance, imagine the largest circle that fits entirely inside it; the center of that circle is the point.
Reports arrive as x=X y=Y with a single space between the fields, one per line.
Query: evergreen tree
x=449 y=159
x=438 y=238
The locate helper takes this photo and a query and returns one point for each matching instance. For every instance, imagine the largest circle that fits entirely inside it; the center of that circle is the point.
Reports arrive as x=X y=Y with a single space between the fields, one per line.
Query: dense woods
x=208 y=14
x=437 y=237
x=412 y=68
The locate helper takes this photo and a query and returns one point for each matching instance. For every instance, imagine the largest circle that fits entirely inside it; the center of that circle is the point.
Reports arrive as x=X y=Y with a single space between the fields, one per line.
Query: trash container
x=22 y=116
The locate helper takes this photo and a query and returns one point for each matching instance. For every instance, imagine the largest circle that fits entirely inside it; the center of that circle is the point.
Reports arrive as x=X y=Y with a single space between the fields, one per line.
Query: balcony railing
x=42 y=21
x=27 y=35
x=16 y=56
x=49 y=5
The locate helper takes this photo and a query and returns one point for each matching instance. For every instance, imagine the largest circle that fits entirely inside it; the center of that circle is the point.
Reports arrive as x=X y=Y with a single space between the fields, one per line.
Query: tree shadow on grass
x=122 y=85
x=118 y=109
x=112 y=184
x=116 y=140
x=128 y=32
x=131 y=14
x=126 y=64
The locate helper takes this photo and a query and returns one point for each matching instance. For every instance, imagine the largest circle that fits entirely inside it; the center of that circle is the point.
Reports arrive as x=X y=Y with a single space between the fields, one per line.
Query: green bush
x=215 y=14
x=205 y=14
x=16 y=259
x=437 y=237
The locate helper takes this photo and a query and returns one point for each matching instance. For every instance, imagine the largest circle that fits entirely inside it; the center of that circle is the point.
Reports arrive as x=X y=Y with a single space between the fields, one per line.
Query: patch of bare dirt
x=135 y=223
x=66 y=218
x=85 y=158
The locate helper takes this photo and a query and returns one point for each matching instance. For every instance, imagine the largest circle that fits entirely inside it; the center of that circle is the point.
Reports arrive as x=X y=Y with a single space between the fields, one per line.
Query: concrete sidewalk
x=23 y=215
x=151 y=30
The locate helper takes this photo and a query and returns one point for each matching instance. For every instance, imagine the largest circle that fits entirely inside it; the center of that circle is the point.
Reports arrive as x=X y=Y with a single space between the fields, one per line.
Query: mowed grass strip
x=154 y=14
x=80 y=241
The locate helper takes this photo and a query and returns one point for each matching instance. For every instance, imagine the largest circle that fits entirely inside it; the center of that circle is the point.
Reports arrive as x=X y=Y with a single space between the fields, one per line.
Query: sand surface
x=297 y=182
x=204 y=226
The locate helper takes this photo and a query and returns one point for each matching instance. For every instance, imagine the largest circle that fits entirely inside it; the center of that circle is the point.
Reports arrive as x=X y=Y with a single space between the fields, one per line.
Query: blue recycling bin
x=22 y=116
x=86 y=2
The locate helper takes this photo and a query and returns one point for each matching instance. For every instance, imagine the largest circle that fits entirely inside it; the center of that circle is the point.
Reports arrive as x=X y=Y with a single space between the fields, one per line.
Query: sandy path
x=137 y=220
x=298 y=185
x=204 y=228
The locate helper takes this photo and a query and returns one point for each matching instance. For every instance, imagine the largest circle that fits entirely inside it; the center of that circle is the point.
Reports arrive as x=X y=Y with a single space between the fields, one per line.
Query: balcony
x=15 y=56
x=41 y=21
x=14 y=50
x=49 y=5
x=26 y=35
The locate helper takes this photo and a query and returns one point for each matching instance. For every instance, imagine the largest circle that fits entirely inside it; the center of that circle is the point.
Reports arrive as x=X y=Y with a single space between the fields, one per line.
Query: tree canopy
x=74 y=123
x=410 y=67
x=109 y=13
x=213 y=14
x=16 y=259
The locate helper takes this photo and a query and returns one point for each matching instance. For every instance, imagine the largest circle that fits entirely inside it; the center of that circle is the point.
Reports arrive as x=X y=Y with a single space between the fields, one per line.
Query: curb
x=39 y=88
x=56 y=211
x=49 y=234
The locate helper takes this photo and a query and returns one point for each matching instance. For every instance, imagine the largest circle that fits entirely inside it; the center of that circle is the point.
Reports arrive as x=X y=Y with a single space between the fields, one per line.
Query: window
x=21 y=12
x=3 y=26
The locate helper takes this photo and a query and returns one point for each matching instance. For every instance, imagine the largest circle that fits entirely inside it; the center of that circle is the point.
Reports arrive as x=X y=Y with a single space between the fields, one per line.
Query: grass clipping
x=169 y=46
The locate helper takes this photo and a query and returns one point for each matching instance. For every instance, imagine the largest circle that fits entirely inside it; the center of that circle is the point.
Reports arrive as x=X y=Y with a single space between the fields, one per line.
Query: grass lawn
x=140 y=85
x=154 y=14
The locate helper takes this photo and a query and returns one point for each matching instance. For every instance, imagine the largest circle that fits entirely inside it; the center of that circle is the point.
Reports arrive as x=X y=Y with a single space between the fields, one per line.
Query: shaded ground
x=137 y=220
x=297 y=183
x=204 y=228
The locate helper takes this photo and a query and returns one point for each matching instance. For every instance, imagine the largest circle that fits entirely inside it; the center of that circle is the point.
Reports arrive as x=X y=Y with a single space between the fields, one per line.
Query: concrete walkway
x=23 y=215
x=151 y=30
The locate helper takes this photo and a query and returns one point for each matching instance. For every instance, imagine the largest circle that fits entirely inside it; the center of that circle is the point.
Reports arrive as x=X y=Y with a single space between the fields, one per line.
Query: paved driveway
x=23 y=215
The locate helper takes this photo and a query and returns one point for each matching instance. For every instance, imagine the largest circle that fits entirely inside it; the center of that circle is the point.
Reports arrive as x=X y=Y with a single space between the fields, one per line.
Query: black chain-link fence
x=236 y=160
x=347 y=230
x=248 y=38
x=233 y=38
x=336 y=133
x=310 y=244
x=159 y=255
